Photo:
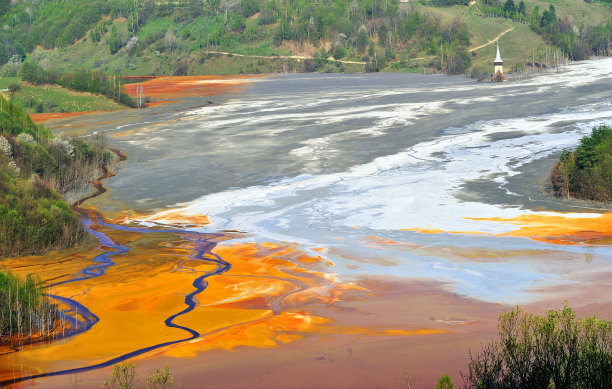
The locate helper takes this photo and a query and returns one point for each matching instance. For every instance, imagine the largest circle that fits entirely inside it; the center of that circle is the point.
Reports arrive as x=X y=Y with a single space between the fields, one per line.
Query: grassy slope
x=32 y=216
x=516 y=46
x=65 y=100
x=34 y=168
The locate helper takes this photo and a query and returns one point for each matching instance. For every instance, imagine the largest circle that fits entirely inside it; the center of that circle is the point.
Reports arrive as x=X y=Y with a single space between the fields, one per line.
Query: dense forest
x=587 y=171
x=359 y=25
x=370 y=31
x=35 y=167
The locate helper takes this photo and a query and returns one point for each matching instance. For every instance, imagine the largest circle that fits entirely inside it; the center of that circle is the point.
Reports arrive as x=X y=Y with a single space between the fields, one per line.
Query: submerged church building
x=498 y=70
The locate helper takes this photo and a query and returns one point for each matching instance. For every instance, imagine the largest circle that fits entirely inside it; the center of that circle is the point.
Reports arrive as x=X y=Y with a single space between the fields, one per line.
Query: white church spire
x=498 y=57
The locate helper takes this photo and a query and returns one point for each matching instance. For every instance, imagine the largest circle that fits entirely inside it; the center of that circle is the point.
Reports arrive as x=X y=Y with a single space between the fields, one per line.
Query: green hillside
x=35 y=167
x=54 y=98
x=238 y=36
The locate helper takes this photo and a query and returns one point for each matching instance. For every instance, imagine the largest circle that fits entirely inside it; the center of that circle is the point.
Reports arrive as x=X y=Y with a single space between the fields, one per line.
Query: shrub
x=180 y=68
x=268 y=15
x=124 y=376
x=236 y=22
x=459 y=61
x=160 y=379
x=6 y=147
x=50 y=104
x=556 y=350
x=339 y=52
x=445 y=382
x=13 y=87
x=23 y=137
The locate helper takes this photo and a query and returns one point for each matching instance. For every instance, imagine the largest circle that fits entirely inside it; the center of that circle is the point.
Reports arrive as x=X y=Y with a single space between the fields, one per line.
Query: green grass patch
x=156 y=26
x=5 y=81
x=52 y=98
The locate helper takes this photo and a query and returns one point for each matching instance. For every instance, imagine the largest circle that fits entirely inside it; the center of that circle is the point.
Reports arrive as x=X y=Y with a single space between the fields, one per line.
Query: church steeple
x=498 y=57
x=498 y=64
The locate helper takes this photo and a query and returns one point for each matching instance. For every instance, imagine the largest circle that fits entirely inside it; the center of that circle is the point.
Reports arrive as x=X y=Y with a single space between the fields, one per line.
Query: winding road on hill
x=493 y=40
x=300 y=57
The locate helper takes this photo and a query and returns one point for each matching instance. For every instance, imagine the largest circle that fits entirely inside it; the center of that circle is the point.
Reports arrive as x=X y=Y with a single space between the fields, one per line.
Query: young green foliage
x=555 y=350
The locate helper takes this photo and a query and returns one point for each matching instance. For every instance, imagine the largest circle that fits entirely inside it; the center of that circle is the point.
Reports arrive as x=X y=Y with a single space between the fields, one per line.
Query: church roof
x=498 y=57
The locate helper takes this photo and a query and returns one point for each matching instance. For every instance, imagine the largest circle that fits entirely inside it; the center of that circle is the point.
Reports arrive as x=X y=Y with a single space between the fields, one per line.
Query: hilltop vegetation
x=147 y=37
x=34 y=167
x=586 y=172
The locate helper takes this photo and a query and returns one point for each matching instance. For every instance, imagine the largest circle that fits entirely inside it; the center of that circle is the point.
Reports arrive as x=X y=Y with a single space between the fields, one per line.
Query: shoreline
x=161 y=96
x=368 y=337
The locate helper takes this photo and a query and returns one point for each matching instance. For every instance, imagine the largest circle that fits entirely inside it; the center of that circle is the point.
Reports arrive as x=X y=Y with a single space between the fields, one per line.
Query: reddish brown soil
x=190 y=86
x=43 y=117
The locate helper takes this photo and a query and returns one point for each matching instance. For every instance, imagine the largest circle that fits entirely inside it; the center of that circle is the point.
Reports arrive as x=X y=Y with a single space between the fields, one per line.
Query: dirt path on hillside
x=300 y=57
x=493 y=40
x=277 y=56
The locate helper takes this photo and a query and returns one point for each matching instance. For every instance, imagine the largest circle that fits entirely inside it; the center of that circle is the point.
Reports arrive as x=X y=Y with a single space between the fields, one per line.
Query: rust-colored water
x=272 y=295
x=43 y=117
x=164 y=90
x=561 y=228
x=189 y=86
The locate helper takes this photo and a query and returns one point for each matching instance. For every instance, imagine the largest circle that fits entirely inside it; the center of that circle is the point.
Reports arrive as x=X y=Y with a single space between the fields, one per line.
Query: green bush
x=587 y=171
x=551 y=351
x=33 y=218
x=445 y=382
x=33 y=166
x=124 y=376
x=160 y=379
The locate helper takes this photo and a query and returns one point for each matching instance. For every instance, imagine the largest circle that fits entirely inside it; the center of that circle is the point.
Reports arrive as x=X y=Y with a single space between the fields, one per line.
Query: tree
x=362 y=40
x=550 y=351
x=459 y=61
x=548 y=16
x=180 y=68
x=114 y=41
x=32 y=73
x=445 y=382
x=521 y=8
x=509 y=8
x=171 y=39
x=124 y=376
x=236 y=22
x=13 y=87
